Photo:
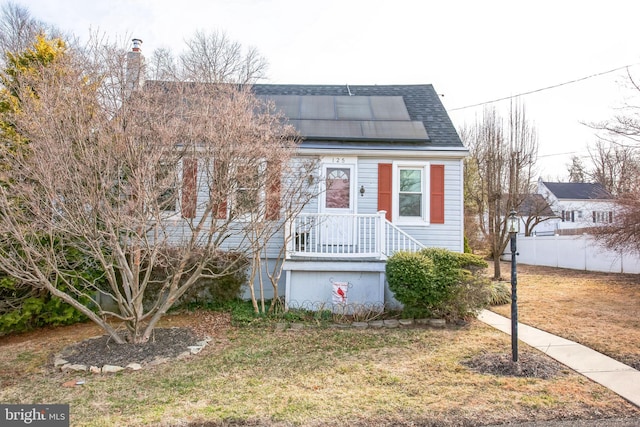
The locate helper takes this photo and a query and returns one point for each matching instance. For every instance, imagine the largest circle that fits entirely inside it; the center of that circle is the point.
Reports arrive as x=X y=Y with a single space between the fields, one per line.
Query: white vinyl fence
x=580 y=252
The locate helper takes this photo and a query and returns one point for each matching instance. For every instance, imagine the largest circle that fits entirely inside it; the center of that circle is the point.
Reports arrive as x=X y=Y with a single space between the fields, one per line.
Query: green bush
x=438 y=282
x=224 y=288
x=24 y=307
x=410 y=277
x=467 y=247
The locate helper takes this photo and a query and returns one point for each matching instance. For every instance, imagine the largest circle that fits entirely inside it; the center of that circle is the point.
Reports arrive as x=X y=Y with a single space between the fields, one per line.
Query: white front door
x=338 y=201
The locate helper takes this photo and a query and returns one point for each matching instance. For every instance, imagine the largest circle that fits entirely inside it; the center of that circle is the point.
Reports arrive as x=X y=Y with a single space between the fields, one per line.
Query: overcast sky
x=471 y=51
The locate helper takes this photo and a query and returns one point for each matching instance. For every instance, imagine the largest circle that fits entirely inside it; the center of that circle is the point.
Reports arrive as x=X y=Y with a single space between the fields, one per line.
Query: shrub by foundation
x=438 y=282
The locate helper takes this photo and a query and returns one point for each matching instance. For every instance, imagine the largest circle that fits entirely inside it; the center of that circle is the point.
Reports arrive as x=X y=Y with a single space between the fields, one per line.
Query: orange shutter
x=218 y=193
x=273 y=191
x=385 y=186
x=189 y=187
x=437 y=194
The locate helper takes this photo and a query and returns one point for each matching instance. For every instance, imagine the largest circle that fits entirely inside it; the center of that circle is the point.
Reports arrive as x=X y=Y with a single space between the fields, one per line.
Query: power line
x=563 y=154
x=544 y=88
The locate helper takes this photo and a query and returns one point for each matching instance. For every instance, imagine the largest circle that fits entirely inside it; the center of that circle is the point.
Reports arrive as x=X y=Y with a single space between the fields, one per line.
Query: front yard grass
x=255 y=375
x=599 y=310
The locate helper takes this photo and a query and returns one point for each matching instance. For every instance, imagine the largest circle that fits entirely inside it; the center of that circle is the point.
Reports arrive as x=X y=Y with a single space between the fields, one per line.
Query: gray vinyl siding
x=447 y=235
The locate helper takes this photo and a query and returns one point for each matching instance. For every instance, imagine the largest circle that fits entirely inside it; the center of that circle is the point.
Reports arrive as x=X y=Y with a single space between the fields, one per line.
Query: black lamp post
x=513 y=227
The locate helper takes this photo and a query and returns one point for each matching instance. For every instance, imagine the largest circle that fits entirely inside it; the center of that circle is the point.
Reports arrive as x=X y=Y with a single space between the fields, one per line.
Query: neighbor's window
x=568 y=216
x=602 y=217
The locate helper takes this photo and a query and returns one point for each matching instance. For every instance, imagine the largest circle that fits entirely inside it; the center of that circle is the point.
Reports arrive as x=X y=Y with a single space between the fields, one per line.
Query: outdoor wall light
x=362 y=190
x=513 y=223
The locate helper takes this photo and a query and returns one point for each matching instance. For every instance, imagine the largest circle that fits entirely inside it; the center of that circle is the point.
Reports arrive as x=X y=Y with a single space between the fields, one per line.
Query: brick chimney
x=135 y=68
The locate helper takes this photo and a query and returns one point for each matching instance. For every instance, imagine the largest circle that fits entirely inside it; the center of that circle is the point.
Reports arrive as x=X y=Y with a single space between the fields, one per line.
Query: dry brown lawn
x=324 y=376
x=599 y=310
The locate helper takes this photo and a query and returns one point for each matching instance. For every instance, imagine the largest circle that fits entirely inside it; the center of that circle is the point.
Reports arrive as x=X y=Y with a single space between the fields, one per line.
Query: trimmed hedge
x=438 y=282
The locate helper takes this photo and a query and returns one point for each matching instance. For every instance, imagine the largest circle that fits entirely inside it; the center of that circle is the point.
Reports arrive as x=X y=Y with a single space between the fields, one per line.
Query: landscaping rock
x=134 y=366
x=111 y=369
x=158 y=361
x=405 y=322
x=195 y=349
x=360 y=325
x=95 y=370
x=391 y=323
x=297 y=326
x=59 y=361
x=437 y=323
x=376 y=324
x=73 y=367
x=281 y=326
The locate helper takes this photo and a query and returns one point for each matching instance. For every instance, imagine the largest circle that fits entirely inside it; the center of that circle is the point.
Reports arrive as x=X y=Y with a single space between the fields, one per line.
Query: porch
x=346 y=236
x=337 y=261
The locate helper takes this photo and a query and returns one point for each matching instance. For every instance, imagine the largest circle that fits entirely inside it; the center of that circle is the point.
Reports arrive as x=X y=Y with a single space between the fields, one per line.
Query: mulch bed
x=166 y=342
x=528 y=365
x=100 y=351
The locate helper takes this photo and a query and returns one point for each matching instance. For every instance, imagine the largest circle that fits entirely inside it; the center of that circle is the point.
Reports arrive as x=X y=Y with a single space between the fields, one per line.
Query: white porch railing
x=346 y=236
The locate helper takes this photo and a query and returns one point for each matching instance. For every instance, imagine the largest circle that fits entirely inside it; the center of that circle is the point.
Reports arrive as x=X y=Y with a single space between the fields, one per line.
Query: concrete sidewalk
x=616 y=376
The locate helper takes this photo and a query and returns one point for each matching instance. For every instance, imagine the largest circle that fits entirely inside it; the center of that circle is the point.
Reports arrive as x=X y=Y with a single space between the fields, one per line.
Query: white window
x=410 y=184
x=568 y=216
x=338 y=185
x=247 y=198
x=602 y=217
x=166 y=181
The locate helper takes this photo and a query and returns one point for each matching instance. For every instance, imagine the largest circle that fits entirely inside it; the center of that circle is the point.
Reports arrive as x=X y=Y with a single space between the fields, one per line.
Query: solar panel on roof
x=353 y=108
x=388 y=108
x=317 y=107
x=288 y=104
x=362 y=130
x=400 y=130
x=350 y=117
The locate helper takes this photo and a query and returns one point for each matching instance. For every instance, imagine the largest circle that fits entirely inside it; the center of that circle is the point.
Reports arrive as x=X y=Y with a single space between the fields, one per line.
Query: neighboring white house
x=578 y=206
x=536 y=216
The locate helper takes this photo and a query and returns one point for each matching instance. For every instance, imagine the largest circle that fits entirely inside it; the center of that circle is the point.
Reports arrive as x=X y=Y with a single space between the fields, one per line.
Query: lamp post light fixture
x=513 y=228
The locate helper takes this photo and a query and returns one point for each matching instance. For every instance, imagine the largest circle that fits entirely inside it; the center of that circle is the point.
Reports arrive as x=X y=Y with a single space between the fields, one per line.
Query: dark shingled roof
x=578 y=190
x=422 y=102
x=535 y=205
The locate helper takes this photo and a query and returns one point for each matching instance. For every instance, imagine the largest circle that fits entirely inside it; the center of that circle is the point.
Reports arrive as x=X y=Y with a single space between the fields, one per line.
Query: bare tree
x=624 y=231
x=534 y=210
x=17 y=28
x=577 y=170
x=162 y=66
x=623 y=128
x=209 y=57
x=268 y=259
x=615 y=166
x=503 y=156
x=169 y=177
